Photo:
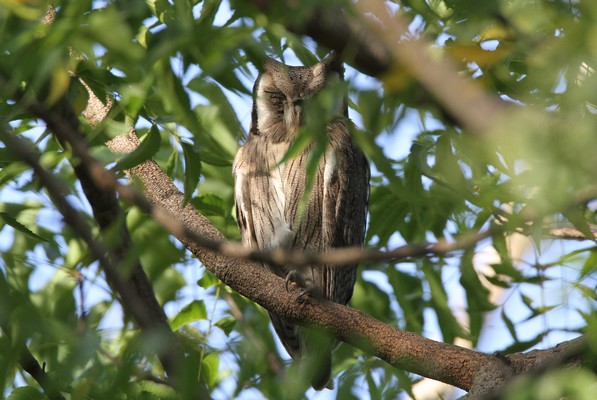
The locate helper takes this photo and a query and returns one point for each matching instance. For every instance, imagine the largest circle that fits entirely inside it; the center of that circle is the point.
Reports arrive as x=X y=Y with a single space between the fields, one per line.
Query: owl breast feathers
x=273 y=210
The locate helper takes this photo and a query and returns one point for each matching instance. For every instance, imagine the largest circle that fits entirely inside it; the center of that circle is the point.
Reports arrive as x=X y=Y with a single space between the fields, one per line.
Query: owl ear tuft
x=271 y=65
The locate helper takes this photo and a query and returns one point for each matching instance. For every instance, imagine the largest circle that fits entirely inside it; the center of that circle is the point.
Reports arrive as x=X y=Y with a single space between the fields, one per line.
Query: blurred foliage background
x=181 y=72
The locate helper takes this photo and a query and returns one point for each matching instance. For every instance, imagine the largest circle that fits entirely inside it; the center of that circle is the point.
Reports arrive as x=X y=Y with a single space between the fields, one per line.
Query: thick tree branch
x=452 y=364
x=491 y=381
x=404 y=350
x=376 y=42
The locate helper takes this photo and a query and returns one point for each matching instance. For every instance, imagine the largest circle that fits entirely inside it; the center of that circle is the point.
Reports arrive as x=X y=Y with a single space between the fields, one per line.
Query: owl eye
x=275 y=97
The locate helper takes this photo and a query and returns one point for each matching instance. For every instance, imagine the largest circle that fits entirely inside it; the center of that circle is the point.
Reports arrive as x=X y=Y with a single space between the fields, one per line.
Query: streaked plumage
x=268 y=195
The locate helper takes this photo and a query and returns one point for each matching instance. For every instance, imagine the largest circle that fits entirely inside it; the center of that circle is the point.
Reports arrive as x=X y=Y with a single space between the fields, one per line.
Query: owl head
x=280 y=92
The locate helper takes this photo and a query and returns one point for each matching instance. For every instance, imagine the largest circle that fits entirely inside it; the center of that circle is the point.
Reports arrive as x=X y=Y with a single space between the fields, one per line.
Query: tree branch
x=32 y=367
x=448 y=363
x=375 y=42
x=337 y=256
x=569 y=234
x=135 y=292
x=452 y=364
x=491 y=381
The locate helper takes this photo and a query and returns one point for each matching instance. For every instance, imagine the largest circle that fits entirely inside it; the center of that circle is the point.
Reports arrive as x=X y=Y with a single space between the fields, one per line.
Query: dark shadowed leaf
x=148 y=147
x=192 y=171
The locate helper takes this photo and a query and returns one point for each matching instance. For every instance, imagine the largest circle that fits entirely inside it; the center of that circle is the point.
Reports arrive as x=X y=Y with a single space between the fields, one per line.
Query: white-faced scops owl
x=273 y=210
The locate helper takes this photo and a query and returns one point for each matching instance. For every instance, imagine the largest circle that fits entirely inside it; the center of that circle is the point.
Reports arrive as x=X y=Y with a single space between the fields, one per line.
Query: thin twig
x=473 y=108
x=32 y=367
x=337 y=256
x=569 y=234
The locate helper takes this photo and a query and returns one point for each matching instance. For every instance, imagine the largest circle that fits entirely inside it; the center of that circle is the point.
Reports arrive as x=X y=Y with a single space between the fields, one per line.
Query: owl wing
x=259 y=196
x=335 y=216
x=345 y=202
x=336 y=211
x=260 y=215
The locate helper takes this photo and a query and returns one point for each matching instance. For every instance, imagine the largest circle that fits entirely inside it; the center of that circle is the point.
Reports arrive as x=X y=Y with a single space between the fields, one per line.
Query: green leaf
x=304 y=139
x=25 y=393
x=370 y=299
x=588 y=292
x=167 y=284
x=509 y=325
x=192 y=172
x=439 y=301
x=10 y=220
x=148 y=147
x=175 y=99
x=194 y=311
x=156 y=391
x=518 y=347
x=528 y=302
x=210 y=204
x=226 y=324
x=208 y=280
x=216 y=97
x=477 y=295
x=216 y=138
x=408 y=290
x=209 y=368
x=209 y=11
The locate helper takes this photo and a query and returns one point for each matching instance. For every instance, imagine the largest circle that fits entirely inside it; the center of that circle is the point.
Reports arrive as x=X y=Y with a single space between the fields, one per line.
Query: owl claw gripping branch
x=295 y=277
x=270 y=191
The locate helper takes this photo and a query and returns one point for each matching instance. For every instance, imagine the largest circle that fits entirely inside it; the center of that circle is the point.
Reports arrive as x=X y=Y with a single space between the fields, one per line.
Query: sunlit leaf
x=194 y=311
x=207 y=280
x=209 y=368
x=226 y=324
x=10 y=220
x=510 y=325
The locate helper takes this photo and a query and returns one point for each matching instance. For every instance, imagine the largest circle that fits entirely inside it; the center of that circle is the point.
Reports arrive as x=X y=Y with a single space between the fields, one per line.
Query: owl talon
x=306 y=289
x=294 y=277
x=302 y=297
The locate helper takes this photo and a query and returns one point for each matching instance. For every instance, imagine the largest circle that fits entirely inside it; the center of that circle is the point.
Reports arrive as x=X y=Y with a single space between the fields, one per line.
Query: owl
x=273 y=210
